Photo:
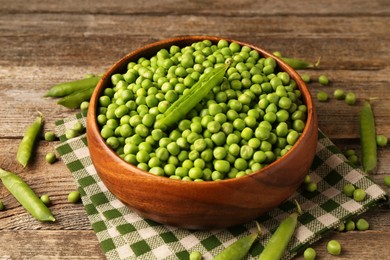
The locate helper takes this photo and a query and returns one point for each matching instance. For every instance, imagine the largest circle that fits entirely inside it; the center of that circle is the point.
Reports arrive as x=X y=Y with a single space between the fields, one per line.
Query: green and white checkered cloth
x=125 y=235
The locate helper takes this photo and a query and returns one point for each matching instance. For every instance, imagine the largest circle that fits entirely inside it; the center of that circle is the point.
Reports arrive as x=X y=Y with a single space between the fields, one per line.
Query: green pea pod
x=239 y=249
x=29 y=139
x=300 y=64
x=75 y=99
x=279 y=240
x=368 y=138
x=67 y=88
x=26 y=196
x=190 y=99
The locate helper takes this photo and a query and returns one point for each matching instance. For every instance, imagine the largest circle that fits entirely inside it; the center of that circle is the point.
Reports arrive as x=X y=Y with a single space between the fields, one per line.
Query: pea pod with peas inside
x=29 y=139
x=368 y=138
x=189 y=100
x=26 y=196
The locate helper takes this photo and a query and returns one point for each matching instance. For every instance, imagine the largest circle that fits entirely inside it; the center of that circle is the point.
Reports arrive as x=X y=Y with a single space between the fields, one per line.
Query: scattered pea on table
x=386 y=180
x=349 y=189
x=362 y=224
x=306 y=78
x=309 y=254
x=350 y=225
x=195 y=255
x=322 y=96
x=381 y=140
x=359 y=195
x=339 y=94
x=50 y=157
x=74 y=197
x=323 y=80
x=350 y=98
x=334 y=247
x=46 y=199
x=50 y=136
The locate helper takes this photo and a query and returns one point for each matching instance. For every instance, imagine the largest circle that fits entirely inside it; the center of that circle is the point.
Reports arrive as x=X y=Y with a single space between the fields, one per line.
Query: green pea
x=350 y=98
x=311 y=186
x=334 y=247
x=50 y=136
x=348 y=189
x=222 y=166
x=359 y=195
x=195 y=255
x=50 y=157
x=71 y=133
x=46 y=199
x=74 y=197
x=381 y=140
x=1 y=206
x=309 y=254
x=323 y=80
x=339 y=94
x=322 y=96
x=305 y=77
x=350 y=225
x=386 y=180
x=362 y=224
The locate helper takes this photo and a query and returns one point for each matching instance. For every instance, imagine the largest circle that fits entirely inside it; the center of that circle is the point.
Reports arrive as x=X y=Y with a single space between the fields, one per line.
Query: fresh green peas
x=381 y=140
x=311 y=186
x=386 y=180
x=334 y=247
x=339 y=94
x=46 y=199
x=71 y=133
x=305 y=77
x=323 y=80
x=50 y=157
x=359 y=195
x=362 y=224
x=309 y=254
x=74 y=197
x=195 y=255
x=350 y=225
x=322 y=96
x=349 y=189
x=350 y=98
x=50 y=136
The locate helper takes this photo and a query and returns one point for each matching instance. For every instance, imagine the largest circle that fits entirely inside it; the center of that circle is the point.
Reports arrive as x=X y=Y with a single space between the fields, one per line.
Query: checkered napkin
x=125 y=235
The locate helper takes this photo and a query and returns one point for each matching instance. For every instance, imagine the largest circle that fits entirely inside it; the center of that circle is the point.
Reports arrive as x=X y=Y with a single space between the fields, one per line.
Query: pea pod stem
x=26 y=146
x=279 y=240
x=76 y=98
x=26 y=196
x=239 y=249
x=368 y=138
x=67 y=88
x=190 y=99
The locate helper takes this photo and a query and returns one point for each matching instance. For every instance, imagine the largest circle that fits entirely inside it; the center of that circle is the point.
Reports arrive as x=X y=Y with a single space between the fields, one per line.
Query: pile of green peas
x=250 y=120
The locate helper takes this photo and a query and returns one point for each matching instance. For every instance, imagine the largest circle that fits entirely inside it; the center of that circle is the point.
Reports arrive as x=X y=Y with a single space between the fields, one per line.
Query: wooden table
x=47 y=42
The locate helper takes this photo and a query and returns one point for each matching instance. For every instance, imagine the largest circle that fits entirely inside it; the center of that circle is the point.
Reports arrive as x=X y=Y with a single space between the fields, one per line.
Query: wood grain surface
x=46 y=42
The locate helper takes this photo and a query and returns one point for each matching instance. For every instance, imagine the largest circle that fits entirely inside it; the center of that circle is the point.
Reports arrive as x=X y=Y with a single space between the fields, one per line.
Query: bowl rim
x=92 y=110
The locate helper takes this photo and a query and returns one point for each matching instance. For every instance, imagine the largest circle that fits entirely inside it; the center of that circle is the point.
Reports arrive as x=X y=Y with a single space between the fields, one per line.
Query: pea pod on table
x=27 y=144
x=278 y=242
x=75 y=99
x=239 y=249
x=300 y=64
x=67 y=88
x=26 y=196
x=368 y=138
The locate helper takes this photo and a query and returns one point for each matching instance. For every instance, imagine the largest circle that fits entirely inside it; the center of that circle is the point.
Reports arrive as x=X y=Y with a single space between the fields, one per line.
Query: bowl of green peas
x=201 y=132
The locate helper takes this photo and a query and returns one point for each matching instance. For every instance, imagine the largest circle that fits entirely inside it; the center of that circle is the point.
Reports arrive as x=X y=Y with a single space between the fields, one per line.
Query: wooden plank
x=216 y=7
x=45 y=244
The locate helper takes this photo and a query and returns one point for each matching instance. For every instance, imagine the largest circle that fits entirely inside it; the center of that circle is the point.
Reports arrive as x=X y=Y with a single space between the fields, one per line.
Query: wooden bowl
x=201 y=205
